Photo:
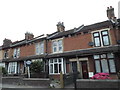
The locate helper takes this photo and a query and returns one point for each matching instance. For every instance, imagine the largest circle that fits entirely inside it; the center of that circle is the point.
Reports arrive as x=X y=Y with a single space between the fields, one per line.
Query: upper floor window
x=16 y=53
x=101 y=38
x=5 y=54
x=105 y=63
x=57 y=46
x=39 y=48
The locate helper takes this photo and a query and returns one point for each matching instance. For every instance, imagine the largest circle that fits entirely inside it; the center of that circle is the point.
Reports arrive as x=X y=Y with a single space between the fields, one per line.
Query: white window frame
x=16 y=53
x=101 y=38
x=39 y=48
x=12 y=65
x=57 y=45
x=63 y=66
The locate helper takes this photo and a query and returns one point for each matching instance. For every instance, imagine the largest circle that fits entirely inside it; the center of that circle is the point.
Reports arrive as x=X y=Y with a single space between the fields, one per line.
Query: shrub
x=3 y=70
x=101 y=76
x=36 y=66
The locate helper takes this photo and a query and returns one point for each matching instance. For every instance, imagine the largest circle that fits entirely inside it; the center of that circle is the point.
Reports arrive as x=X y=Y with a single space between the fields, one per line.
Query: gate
x=68 y=78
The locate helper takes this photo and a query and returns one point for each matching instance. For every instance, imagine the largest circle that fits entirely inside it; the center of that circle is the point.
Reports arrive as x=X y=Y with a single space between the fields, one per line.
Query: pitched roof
x=82 y=28
x=24 y=41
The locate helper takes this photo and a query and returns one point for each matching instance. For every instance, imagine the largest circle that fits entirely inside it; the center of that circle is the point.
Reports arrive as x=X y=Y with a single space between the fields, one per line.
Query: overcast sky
x=41 y=16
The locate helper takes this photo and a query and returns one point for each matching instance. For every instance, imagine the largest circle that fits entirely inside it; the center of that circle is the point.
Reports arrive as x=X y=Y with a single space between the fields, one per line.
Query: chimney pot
x=110 y=7
x=110 y=12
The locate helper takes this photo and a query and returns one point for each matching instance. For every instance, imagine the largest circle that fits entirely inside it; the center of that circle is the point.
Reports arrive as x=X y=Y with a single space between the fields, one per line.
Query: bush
x=3 y=70
x=101 y=76
x=36 y=66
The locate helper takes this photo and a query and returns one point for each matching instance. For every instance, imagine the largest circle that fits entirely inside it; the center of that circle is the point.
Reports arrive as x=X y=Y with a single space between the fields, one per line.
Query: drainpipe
x=46 y=61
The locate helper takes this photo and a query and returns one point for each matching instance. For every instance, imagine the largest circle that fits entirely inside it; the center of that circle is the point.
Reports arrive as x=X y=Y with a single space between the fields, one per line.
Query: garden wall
x=88 y=83
x=41 y=82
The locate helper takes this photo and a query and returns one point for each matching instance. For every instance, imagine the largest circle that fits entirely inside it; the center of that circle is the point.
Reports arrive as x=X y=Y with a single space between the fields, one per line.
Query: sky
x=41 y=16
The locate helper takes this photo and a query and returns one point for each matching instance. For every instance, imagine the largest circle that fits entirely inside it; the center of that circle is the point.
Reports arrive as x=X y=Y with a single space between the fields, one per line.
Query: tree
x=3 y=70
x=36 y=66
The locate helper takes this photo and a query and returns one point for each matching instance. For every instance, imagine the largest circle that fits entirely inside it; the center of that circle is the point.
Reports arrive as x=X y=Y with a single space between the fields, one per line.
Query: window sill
x=101 y=46
x=55 y=74
x=57 y=52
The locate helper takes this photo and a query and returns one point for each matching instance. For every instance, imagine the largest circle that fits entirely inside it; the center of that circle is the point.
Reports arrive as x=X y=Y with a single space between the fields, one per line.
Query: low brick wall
x=36 y=82
x=88 y=83
x=40 y=82
x=11 y=80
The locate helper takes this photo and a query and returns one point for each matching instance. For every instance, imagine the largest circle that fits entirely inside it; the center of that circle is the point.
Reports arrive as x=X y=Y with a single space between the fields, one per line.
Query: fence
x=67 y=79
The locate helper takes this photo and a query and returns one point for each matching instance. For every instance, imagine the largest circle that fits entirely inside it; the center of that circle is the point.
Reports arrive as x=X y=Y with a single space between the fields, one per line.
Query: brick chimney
x=7 y=42
x=29 y=36
x=110 y=13
x=60 y=27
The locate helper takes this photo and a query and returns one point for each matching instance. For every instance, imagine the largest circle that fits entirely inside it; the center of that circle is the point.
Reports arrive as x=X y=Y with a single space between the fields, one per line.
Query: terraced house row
x=87 y=49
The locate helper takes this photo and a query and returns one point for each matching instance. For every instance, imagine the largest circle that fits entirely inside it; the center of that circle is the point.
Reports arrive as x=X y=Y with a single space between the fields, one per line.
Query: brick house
x=1 y=57
x=17 y=53
x=87 y=49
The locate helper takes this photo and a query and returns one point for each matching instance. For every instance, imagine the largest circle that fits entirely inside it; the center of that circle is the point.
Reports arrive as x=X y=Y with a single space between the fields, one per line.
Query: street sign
x=28 y=62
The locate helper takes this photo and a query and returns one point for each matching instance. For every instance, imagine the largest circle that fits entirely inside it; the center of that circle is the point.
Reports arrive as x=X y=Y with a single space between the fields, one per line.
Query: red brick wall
x=91 y=64
x=27 y=50
x=49 y=46
x=55 y=77
x=112 y=37
x=67 y=68
x=77 y=42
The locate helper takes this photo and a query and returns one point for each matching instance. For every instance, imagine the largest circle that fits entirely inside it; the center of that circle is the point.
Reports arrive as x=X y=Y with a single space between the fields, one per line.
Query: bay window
x=12 y=68
x=56 y=65
x=105 y=63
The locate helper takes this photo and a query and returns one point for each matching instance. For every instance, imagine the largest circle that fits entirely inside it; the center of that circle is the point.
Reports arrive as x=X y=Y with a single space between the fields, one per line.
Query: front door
x=74 y=66
x=84 y=69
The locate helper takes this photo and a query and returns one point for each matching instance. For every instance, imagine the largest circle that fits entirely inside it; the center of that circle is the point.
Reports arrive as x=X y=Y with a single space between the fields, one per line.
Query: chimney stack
x=60 y=27
x=7 y=42
x=29 y=36
x=110 y=13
